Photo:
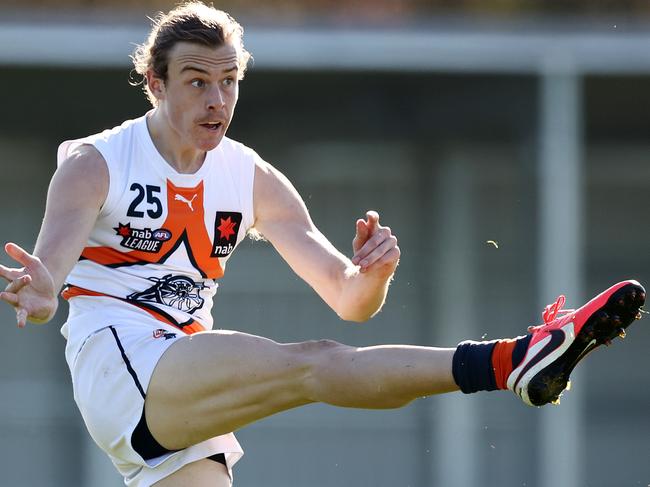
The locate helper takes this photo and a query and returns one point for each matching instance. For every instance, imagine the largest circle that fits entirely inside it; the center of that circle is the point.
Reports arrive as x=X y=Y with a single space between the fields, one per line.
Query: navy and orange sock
x=485 y=366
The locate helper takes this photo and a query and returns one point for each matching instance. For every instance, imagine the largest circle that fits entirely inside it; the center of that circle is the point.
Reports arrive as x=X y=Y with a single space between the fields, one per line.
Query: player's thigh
x=204 y=473
x=213 y=383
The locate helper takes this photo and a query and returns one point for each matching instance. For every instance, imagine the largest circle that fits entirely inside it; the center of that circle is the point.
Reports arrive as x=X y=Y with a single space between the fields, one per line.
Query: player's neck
x=183 y=158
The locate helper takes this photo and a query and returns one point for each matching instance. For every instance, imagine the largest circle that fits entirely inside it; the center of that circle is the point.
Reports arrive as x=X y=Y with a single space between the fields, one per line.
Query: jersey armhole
x=114 y=192
x=248 y=196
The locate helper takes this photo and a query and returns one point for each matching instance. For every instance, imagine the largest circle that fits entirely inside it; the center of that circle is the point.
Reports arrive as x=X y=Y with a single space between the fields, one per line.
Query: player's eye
x=229 y=81
x=197 y=83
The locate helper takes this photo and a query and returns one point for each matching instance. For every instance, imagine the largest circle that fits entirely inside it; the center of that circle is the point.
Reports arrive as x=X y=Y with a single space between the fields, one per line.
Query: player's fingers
x=10 y=274
x=19 y=283
x=389 y=260
x=360 y=237
x=10 y=298
x=372 y=243
x=372 y=217
x=21 y=317
x=378 y=253
x=19 y=254
x=362 y=230
x=21 y=313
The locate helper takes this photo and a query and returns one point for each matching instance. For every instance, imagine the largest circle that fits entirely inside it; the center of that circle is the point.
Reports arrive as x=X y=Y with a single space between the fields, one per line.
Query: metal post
x=560 y=258
x=453 y=314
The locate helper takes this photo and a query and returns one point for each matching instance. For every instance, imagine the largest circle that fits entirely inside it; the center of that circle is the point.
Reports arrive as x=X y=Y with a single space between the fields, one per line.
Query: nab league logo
x=146 y=240
x=226 y=229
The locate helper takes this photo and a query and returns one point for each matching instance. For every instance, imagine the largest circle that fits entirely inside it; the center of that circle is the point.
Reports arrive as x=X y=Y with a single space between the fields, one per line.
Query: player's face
x=200 y=94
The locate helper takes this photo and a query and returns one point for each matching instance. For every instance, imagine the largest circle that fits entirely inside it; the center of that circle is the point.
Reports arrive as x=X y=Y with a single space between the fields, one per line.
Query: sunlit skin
x=218 y=381
x=201 y=88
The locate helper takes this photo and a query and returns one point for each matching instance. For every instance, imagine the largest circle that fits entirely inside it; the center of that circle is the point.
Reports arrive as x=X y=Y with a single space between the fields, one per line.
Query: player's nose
x=215 y=99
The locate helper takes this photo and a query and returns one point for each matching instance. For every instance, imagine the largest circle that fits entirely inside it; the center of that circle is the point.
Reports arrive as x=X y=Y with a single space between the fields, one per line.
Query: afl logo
x=162 y=234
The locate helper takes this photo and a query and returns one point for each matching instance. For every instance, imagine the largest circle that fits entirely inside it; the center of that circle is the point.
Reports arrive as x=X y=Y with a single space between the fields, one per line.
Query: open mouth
x=214 y=126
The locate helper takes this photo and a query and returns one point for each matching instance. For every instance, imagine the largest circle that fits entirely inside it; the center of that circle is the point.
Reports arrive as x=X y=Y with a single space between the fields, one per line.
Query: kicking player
x=139 y=225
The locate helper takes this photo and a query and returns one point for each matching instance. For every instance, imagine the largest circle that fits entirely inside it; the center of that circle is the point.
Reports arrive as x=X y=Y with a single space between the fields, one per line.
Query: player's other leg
x=537 y=366
x=204 y=473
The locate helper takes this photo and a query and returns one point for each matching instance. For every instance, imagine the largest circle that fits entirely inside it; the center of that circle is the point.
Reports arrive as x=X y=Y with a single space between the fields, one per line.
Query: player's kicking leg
x=214 y=383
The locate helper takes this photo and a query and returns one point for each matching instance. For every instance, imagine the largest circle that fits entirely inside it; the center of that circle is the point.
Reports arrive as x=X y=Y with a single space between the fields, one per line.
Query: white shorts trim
x=105 y=381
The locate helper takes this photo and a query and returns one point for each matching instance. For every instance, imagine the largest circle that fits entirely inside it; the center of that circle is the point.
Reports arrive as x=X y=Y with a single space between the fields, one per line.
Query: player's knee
x=321 y=362
x=313 y=347
x=326 y=345
x=318 y=354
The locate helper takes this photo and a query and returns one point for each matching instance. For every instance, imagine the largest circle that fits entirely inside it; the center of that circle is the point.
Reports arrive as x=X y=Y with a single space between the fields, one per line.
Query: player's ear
x=155 y=85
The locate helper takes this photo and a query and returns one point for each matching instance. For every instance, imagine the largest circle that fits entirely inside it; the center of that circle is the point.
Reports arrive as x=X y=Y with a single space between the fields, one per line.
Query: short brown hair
x=189 y=22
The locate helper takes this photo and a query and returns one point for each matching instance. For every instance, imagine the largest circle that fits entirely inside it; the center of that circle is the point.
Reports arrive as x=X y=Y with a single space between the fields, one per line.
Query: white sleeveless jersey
x=162 y=238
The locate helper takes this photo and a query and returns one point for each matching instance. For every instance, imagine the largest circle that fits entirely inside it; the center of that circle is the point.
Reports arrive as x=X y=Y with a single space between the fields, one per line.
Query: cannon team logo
x=146 y=239
x=178 y=292
x=226 y=229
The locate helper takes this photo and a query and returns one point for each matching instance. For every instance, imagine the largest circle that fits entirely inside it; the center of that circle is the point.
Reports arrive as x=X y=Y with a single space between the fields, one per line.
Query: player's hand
x=31 y=288
x=375 y=247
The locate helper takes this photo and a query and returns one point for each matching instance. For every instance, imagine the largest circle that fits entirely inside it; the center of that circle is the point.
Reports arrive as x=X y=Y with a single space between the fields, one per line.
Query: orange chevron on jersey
x=186 y=222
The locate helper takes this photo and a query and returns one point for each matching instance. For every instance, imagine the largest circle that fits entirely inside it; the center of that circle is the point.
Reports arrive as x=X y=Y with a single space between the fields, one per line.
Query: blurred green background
x=525 y=123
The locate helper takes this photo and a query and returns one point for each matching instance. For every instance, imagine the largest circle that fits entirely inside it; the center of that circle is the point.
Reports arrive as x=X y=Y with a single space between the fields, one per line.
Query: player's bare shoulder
x=265 y=176
x=279 y=210
x=86 y=156
x=83 y=174
x=274 y=195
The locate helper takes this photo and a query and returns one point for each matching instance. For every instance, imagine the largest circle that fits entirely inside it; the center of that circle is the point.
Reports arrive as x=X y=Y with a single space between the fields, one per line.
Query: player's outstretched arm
x=355 y=289
x=76 y=194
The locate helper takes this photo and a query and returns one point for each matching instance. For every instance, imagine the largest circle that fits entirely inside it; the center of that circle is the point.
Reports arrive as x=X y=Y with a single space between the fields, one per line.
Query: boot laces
x=551 y=311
